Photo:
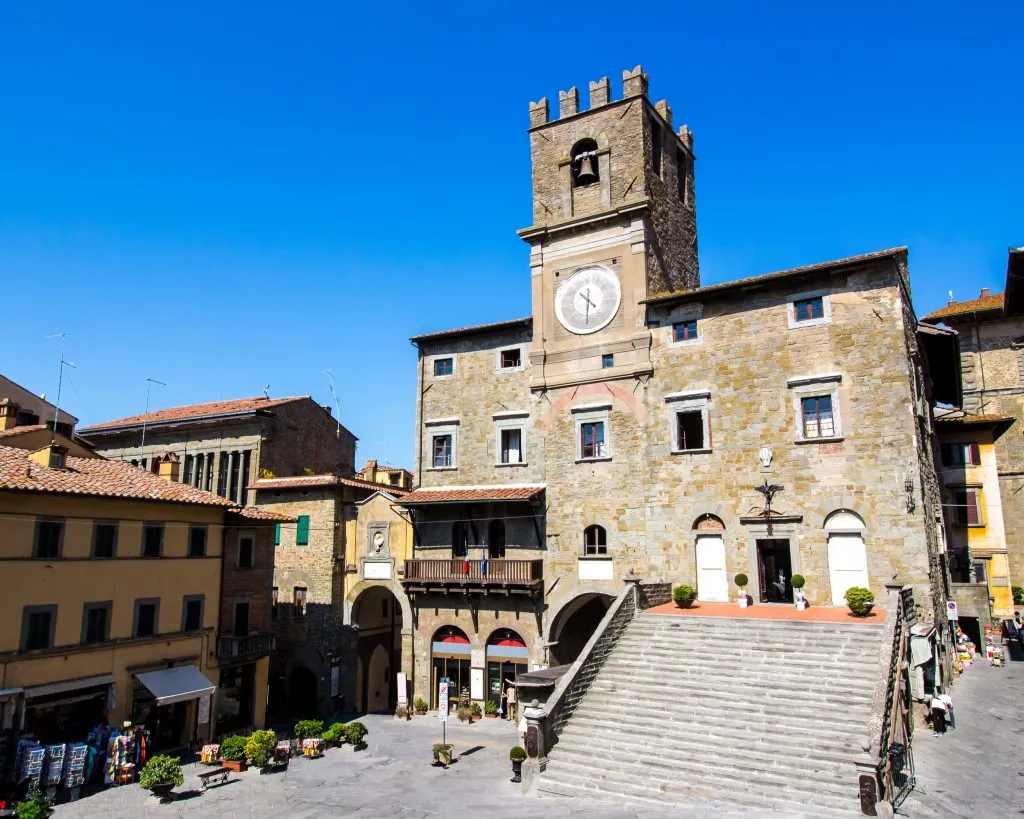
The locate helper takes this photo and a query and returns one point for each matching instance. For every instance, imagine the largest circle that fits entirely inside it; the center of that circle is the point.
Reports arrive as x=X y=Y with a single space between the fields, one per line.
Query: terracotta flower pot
x=163 y=791
x=236 y=765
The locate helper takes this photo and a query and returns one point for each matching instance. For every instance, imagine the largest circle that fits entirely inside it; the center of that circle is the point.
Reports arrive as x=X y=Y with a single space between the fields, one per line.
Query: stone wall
x=304 y=436
x=252 y=584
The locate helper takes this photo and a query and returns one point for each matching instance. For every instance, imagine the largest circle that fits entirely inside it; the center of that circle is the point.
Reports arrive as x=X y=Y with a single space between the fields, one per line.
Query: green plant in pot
x=798 y=581
x=161 y=775
x=355 y=735
x=335 y=735
x=1018 y=595
x=260 y=746
x=491 y=709
x=464 y=714
x=309 y=728
x=420 y=705
x=684 y=596
x=517 y=755
x=741 y=581
x=860 y=600
x=232 y=753
x=35 y=806
x=475 y=710
x=442 y=754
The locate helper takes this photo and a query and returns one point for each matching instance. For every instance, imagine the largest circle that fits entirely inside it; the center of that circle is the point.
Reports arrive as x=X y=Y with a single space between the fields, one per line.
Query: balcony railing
x=244 y=648
x=498 y=574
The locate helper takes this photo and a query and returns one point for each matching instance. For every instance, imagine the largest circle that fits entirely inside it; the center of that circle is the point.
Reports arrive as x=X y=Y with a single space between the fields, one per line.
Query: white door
x=847 y=564
x=711 y=582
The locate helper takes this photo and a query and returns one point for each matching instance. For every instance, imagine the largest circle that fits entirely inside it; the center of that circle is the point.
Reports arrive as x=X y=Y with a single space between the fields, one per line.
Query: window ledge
x=518 y=463
x=795 y=324
x=501 y=370
x=969 y=526
x=595 y=557
x=691 y=451
x=689 y=342
x=836 y=439
x=441 y=468
x=593 y=460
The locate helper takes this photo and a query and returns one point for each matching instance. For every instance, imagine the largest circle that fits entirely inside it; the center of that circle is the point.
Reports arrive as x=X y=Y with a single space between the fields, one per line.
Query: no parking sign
x=951 y=611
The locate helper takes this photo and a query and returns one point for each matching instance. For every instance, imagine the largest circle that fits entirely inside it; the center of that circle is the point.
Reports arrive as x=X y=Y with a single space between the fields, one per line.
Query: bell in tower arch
x=584 y=163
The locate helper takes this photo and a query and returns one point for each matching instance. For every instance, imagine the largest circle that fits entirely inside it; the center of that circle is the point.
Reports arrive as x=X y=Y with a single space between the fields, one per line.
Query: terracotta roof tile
x=972 y=419
x=255 y=513
x=474 y=328
x=96 y=477
x=313 y=481
x=959 y=308
x=193 y=411
x=469 y=494
x=6 y=433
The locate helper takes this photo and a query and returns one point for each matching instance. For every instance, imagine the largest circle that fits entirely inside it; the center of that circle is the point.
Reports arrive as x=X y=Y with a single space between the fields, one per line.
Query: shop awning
x=67 y=685
x=170 y=685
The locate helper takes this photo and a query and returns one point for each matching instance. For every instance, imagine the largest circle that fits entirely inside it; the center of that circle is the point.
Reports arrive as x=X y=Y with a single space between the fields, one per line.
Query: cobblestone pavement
x=977 y=769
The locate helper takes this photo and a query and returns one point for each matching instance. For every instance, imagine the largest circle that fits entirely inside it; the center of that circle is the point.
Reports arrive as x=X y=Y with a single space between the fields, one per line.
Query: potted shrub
x=35 y=806
x=860 y=600
x=355 y=735
x=475 y=710
x=491 y=709
x=464 y=714
x=421 y=705
x=1018 y=595
x=309 y=728
x=401 y=712
x=260 y=747
x=741 y=581
x=442 y=754
x=335 y=735
x=684 y=596
x=517 y=755
x=232 y=753
x=162 y=774
x=797 y=582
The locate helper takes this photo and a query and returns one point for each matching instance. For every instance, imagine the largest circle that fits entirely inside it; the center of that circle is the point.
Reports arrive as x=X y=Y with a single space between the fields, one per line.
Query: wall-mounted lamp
x=908 y=487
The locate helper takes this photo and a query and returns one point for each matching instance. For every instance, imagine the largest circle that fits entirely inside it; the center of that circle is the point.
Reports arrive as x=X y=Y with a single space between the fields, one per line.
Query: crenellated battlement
x=634 y=84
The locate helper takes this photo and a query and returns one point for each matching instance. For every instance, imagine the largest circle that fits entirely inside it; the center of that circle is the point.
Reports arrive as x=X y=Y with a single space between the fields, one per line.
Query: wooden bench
x=217 y=775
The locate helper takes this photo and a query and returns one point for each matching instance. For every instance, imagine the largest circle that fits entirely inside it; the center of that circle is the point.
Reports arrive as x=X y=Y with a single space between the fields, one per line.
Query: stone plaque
x=531 y=741
x=868 y=795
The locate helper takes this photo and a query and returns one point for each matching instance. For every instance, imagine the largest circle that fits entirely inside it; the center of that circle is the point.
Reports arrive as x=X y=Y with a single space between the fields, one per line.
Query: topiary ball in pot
x=161 y=775
x=684 y=596
x=860 y=600
x=355 y=734
x=797 y=581
x=741 y=580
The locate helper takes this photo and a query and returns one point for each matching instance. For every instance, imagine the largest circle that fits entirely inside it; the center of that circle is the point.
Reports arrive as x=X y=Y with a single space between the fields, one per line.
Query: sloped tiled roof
x=316 y=481
x=256 y=513
x=473 y=329
x=982 y=304
x=959 y=417
x=97 y=477
x=471 y=494
x=210 y=409
x=7 y=433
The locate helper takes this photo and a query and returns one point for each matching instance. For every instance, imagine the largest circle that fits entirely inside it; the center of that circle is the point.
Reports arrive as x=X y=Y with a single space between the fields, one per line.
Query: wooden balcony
x=501 y=576
x=244 y=648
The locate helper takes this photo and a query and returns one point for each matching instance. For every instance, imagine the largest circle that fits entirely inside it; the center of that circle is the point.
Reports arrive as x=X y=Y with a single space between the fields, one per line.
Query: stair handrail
x=545 y=722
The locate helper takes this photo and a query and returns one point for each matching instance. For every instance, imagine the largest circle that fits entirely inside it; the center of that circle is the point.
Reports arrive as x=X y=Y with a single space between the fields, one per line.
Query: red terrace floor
x=775 y=611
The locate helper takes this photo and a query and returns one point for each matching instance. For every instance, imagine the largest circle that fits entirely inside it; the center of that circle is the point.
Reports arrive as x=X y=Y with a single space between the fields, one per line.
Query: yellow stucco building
x=111 y=598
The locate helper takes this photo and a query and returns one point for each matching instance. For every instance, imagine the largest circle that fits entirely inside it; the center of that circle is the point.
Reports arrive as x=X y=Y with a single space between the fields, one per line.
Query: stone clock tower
x=614 y=223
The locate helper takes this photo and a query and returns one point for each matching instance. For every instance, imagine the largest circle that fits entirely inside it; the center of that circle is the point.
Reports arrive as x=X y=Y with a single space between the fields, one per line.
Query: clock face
x=588 y=299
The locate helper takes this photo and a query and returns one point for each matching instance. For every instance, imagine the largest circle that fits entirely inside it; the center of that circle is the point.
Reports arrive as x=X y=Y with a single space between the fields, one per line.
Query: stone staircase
x=749 y=714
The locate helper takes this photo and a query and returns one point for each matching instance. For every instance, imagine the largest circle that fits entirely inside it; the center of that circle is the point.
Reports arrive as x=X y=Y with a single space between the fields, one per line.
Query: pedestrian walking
x=510 y=698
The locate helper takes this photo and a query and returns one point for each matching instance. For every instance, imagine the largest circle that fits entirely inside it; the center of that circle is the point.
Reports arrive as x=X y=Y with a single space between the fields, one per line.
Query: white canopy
x=170 y=685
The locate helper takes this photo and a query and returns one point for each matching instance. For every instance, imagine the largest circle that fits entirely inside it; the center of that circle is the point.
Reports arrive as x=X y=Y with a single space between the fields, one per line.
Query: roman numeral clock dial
x=588 y=299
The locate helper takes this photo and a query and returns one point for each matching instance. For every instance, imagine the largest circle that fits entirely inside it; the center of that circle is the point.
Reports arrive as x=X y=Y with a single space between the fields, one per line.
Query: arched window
x=584 y=163
x=595 y=540
x=496 y=539
x=460 y=540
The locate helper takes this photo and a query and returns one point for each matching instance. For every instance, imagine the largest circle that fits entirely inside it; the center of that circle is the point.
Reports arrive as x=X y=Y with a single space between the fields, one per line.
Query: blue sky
x=228 y=195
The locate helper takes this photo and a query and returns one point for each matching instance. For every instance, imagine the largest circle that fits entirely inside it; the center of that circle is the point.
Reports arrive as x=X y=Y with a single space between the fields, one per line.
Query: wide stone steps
x=746 y=714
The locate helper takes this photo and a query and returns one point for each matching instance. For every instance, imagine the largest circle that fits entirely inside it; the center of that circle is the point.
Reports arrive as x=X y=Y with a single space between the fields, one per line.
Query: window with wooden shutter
x=302 y=530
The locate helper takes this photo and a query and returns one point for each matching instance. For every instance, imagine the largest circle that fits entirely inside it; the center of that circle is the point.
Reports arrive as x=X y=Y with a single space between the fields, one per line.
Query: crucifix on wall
x=768 y=490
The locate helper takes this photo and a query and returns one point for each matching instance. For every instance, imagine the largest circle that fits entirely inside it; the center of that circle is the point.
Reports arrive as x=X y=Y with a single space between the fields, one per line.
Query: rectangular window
x=146 y=617
x=222 y=474
x=299 y=601
x=277 y=534
x=104 y=540
x=186 y=472
x=209 y=472
x=816 y=412
x=302 y=530
x=236 y=465
x=690 y=430
x=49 y=537
x=273 y=603
x=592 y=440
x=966 y=509
x=442 y=451
x=608 y=360
x=443 y=367
x=152 y=540
x=980 y=571
x=96 y=622
x=961 y=453
x=684 y=330
x=197 y=541
x=245 y=552
x=511 y=359
x=241 y=623
x=192 y=613
x=511 y=446
x=38 y=624
x=808 y=309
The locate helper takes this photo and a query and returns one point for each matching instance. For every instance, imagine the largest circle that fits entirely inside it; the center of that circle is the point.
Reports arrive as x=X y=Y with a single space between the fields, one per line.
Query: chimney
x=984 y=292
x=370 y=470
x=327 y=408
x=8 y=413
x=52 y=456
x=168 y=469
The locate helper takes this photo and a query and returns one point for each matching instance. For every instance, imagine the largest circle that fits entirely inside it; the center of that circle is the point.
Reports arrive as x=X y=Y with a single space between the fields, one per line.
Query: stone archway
x=378 y=618
x=575 y=623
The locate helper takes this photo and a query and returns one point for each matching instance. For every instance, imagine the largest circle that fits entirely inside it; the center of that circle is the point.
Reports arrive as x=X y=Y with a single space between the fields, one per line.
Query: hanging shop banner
x=477 y=658
x=476 y=684
x=403 y=689
x=204 y=710
x=442 y=699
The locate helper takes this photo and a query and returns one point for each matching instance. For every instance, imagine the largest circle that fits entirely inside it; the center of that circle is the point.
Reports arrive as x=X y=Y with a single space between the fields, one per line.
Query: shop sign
x=951 y=611
x=476 y=684
x=204 y=710
x=477 y=658
x=403 y=690
x=442 y=699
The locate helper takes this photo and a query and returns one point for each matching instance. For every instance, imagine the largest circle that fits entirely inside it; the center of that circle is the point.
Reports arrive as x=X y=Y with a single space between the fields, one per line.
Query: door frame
x=784 y=527
x=719 y=536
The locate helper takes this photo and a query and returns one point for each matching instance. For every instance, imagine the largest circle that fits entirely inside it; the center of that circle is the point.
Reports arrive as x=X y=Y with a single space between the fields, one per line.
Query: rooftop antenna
x=60 y=383
x=337 y=406
x=149 y=385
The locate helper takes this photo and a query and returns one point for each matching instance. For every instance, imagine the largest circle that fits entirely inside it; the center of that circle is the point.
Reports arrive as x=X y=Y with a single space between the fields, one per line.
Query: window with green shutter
x=302 y=531
x=277 y=535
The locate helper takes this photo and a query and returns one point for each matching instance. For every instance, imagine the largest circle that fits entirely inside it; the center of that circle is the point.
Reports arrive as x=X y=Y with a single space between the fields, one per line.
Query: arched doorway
x=302 y=693
x=847 y=557
x=377 y=618
x=450 y=658
x=575 y=624
x=507 y=657
x=712 y=584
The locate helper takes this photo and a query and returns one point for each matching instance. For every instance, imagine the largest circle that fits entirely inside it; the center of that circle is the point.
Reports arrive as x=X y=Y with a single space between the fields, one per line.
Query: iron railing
x=242 y=648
